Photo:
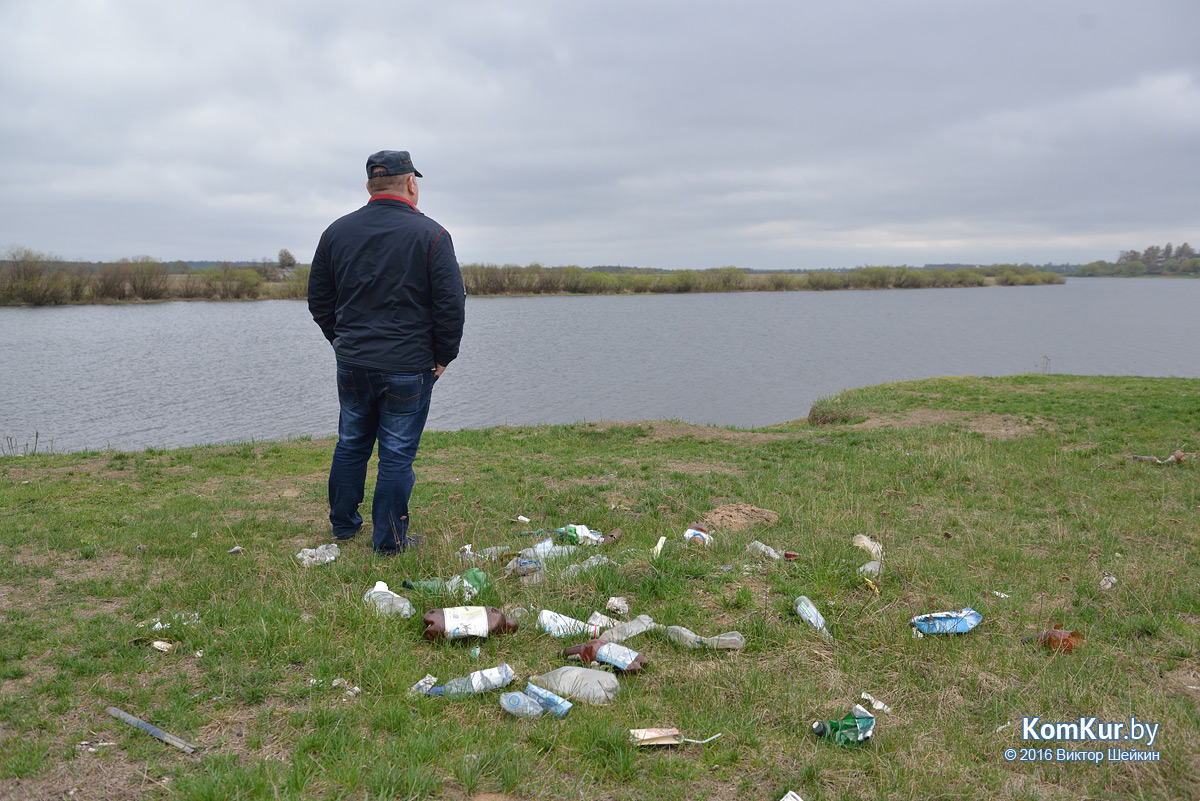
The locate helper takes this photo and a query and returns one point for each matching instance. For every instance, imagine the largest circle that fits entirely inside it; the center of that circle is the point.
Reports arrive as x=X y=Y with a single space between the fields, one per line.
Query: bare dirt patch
x=663 y=429
x=737 y=516
x=701 y=468
x=992 y=426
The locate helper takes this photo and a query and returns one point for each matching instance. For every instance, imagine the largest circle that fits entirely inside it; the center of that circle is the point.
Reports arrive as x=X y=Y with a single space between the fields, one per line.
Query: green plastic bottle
x=854 y=729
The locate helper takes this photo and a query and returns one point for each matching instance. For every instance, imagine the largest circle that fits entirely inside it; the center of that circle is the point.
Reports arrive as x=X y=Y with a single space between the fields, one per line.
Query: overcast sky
x=656 y=134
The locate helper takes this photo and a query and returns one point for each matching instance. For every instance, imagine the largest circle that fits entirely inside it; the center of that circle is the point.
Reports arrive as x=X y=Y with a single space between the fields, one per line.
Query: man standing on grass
x=386 y=290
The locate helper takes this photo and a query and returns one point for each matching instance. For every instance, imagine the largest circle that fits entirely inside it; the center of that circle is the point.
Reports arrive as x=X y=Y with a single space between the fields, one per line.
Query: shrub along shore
x=1016 y=496
x=35 y=279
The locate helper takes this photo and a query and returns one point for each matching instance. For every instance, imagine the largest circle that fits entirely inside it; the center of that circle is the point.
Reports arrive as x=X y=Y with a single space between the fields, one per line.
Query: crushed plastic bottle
x=631 y=628
x=623 y=659
x=618 y=604
x=474 y=683
x=602 y=620
x=729 y=641
x=519 y=704
x=946 y=622
x=697 y=534
x=562 y=626
x=587 y=564
x=1059 y=639
x=807 y=610
x=387 y=602
x=854 y=729
x=581 y=683
x=522 y=566
x=458 y=622
x=758 y=549
x=468 y=584
x=546 y=549
x=556 y=705
x=871 y=568
x=321 y=555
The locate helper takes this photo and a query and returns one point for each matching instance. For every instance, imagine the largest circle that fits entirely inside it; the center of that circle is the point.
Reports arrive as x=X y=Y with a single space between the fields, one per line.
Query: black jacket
x=386 y=289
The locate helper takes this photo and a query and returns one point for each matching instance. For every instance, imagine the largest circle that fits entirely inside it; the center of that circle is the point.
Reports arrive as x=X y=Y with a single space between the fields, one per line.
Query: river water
x=172 y=374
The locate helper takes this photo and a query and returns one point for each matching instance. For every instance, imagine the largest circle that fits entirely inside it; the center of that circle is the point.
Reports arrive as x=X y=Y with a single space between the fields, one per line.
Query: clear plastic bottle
x=388 y=602
x=728 y=641
x=519 y=704
x=585 y=565
x=563 y=626
x=556 y=705
x=807 y=610
x=631 y=628
x=759 y=549
x=478 y=682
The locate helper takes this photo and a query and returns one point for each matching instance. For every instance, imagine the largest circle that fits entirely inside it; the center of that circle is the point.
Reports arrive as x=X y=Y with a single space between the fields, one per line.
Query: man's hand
x=438 y=370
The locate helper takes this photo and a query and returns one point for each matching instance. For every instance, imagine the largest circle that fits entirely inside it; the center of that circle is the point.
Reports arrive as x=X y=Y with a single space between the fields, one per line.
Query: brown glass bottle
x=457 y=622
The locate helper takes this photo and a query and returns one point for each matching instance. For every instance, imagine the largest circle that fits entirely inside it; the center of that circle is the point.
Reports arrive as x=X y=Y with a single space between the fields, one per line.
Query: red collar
x=394 y=197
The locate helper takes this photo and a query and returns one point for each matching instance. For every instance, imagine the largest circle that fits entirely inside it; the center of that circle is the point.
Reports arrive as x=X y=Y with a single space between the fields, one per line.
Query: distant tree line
x=1154 y=260
x=28 y=277
x=535 y=279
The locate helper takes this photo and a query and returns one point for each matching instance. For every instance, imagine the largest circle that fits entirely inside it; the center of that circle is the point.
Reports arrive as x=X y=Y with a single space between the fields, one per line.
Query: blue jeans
x=390 y=407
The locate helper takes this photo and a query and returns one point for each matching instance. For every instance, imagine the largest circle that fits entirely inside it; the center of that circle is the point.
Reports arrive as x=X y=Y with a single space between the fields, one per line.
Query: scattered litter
x=388 y=602
x=581 y=683
x=663 y=737
x=474 y=683
x=318 y=556
x=236 y=549
x=602 y=620
x=854 y=729
x=199 y=654
x=466 y=554
x=628 y=629
x=154 y=731
x=195 y=534
x=999 y=594
x=791 y=796
x=790 y=556
x=657 y=549
x=182 y=618
x=697 y=534
x=345 y=685
x=1178 y=457
x=612 y=537
x=807 y=610
x=587 y=564
x=1058 y=639
x=1107 y=581
x=758 y=549
x=877 y=705
x=161 y=645
x=556 y=705
x=523 y=518
x=945 y=622
x=474 y=652
x=870 y=584
x=469 y=584
x=625 y=660
x=562 y=626
x=519 y=704
x=520 y=567
x=869 y=545
x=728 y=641
x=495 y=552
x=546 y=549
x=459 y=622
x=618 y=604
x=517 y=612
x=423 y=686
x=93 y=748
x=875 y=549
x=1005 y=726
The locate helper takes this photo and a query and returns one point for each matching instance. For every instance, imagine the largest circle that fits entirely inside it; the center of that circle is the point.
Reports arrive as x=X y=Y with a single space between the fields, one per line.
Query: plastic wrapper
x=946 y=622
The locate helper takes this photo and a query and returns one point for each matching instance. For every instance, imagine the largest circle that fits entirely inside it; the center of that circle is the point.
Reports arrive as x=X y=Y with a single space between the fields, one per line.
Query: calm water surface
x=171 y=374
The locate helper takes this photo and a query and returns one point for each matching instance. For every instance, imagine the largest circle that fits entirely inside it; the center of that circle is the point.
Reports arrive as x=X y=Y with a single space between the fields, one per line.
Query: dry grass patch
x=664 y=429
x=992 y=426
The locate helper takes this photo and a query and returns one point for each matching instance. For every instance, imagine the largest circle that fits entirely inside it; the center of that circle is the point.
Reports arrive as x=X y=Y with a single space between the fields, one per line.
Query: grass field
x=1021 y=485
